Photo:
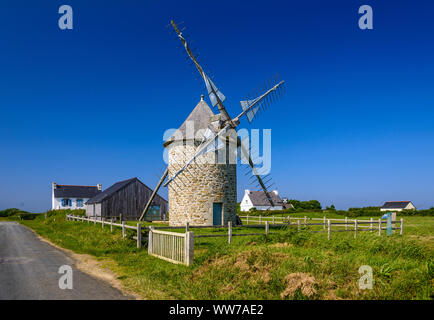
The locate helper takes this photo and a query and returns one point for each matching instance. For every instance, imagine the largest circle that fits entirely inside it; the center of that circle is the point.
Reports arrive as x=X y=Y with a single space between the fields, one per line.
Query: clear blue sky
x=90 y=105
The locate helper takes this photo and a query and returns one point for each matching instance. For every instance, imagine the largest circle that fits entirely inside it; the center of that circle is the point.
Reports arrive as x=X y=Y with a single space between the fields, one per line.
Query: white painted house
x=72 y=197
x=258 y=200
x=397 y=206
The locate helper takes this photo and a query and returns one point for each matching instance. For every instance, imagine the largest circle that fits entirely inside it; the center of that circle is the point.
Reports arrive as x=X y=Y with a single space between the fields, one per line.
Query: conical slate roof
x=199 y=119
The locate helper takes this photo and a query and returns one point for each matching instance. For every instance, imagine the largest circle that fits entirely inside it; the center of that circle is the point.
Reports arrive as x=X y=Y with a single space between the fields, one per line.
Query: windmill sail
x=245 y=104
x=215 y=95
x=246 y=155
x=211 y=140
x=213 y=91
x=251 y=107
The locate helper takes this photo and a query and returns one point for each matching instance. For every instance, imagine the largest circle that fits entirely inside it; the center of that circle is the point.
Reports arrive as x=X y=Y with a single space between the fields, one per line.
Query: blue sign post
x=389 y=223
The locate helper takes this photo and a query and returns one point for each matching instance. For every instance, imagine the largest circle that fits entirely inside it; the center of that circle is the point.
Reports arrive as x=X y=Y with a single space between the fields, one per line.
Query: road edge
x=93 y=267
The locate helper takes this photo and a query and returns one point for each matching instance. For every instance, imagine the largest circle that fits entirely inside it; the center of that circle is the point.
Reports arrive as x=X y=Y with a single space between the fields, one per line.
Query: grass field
x=285 y=265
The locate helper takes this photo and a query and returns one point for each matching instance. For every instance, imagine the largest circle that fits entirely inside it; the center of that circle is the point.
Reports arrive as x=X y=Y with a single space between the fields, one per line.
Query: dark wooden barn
x=128 y=198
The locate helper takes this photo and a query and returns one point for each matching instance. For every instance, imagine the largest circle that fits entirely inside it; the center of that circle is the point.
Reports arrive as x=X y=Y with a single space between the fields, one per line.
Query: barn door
x=217 y=213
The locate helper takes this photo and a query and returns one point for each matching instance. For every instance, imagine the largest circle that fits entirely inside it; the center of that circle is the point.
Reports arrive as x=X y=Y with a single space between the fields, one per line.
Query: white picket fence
x=171 y=246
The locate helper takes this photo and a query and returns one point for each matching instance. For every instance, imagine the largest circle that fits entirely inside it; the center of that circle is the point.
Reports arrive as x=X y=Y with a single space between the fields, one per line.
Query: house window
x=79 y=203
x=66 y=202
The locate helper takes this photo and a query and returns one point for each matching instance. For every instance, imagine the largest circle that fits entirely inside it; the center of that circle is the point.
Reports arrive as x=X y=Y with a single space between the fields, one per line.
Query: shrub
x=28 y=216
x=11 y=212
x=306 y=205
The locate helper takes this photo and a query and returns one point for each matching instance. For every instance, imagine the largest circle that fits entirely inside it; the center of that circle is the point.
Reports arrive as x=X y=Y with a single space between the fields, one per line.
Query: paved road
x=29 y=270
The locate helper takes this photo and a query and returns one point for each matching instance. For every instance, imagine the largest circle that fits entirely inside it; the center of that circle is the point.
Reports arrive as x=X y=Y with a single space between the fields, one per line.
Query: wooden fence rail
x=358 y=225
x=138 y=228
x=171 y=246
x=179 y=247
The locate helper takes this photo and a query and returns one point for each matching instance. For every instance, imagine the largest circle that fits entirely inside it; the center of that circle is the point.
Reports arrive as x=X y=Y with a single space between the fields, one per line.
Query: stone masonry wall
x=192 y=194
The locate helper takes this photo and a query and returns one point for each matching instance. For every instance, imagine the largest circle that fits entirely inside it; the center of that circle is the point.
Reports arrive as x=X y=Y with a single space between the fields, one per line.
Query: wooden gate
x=171 y=246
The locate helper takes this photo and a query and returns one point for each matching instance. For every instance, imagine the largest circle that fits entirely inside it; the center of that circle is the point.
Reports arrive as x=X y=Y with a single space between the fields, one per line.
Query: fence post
x=379 y=227
x=111 y=225
x=124 y=233
x=393 y=221
x=298 y=225
x=120 y=217
x=260 y=220
x=355 y=228
x=273 y=220
x=267 y=227
x=94 y=220
x=247 y=219
x=102 y=222
x=150 y=240
x=229 y=231
x=187 y=224
x=402 y=227
x=305 y=220
x=328 y=229
x=189 y=248
x=139 y=235
x=346 y=223
x=372 y=224
x=324 y=222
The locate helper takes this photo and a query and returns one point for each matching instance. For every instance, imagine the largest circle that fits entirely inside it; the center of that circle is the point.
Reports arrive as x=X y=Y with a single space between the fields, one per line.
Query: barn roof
x=67 y=191
x=200 y=117
x=109 y=191
x=259 y=198
x=395 y=204
x=113 y=189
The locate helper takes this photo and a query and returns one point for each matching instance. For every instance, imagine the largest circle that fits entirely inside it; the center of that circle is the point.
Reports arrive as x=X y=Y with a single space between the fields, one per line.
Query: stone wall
x=192 y=194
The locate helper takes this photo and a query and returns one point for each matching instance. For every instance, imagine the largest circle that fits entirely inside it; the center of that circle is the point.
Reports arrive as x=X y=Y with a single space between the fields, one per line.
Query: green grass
x=276 y=266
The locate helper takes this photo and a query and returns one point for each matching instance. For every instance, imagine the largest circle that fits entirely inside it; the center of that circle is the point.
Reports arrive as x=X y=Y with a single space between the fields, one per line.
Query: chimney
x=247 y=191
x=54 y=185
x=99 y=186
x=276 y=192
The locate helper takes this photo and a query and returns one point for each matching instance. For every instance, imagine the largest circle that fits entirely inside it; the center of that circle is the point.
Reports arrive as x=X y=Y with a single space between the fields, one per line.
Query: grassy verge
x=285 y=265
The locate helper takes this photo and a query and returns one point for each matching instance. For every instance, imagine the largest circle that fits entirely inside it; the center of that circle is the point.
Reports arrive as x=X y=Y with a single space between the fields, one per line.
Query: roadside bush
x=28 y=216
x=9 y=212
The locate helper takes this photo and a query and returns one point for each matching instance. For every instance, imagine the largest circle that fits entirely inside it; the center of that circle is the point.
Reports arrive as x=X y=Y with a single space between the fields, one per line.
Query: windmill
x=203 y=192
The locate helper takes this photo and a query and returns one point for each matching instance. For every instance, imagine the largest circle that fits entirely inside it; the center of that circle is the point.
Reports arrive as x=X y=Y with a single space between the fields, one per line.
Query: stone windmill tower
x=202 y=157
x=206 y=194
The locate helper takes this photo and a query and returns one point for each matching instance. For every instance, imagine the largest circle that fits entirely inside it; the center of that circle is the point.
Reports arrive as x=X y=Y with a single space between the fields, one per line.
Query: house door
x=217 y=214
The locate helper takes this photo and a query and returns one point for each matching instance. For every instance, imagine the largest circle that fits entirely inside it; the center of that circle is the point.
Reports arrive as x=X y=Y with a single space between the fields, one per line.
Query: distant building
x=286 y=204
x=72 y=197
x=128 y=198
x=398 y=206
x=258 y=200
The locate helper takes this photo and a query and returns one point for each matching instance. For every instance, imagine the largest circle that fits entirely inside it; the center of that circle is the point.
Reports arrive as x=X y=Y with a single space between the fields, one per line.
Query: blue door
x=217 y=214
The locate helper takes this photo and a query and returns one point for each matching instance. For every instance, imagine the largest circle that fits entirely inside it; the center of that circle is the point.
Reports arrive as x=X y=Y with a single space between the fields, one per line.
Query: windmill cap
x=199 y=119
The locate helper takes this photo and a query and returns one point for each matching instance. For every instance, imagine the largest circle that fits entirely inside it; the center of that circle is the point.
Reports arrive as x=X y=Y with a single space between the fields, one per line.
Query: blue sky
x=90 y=105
